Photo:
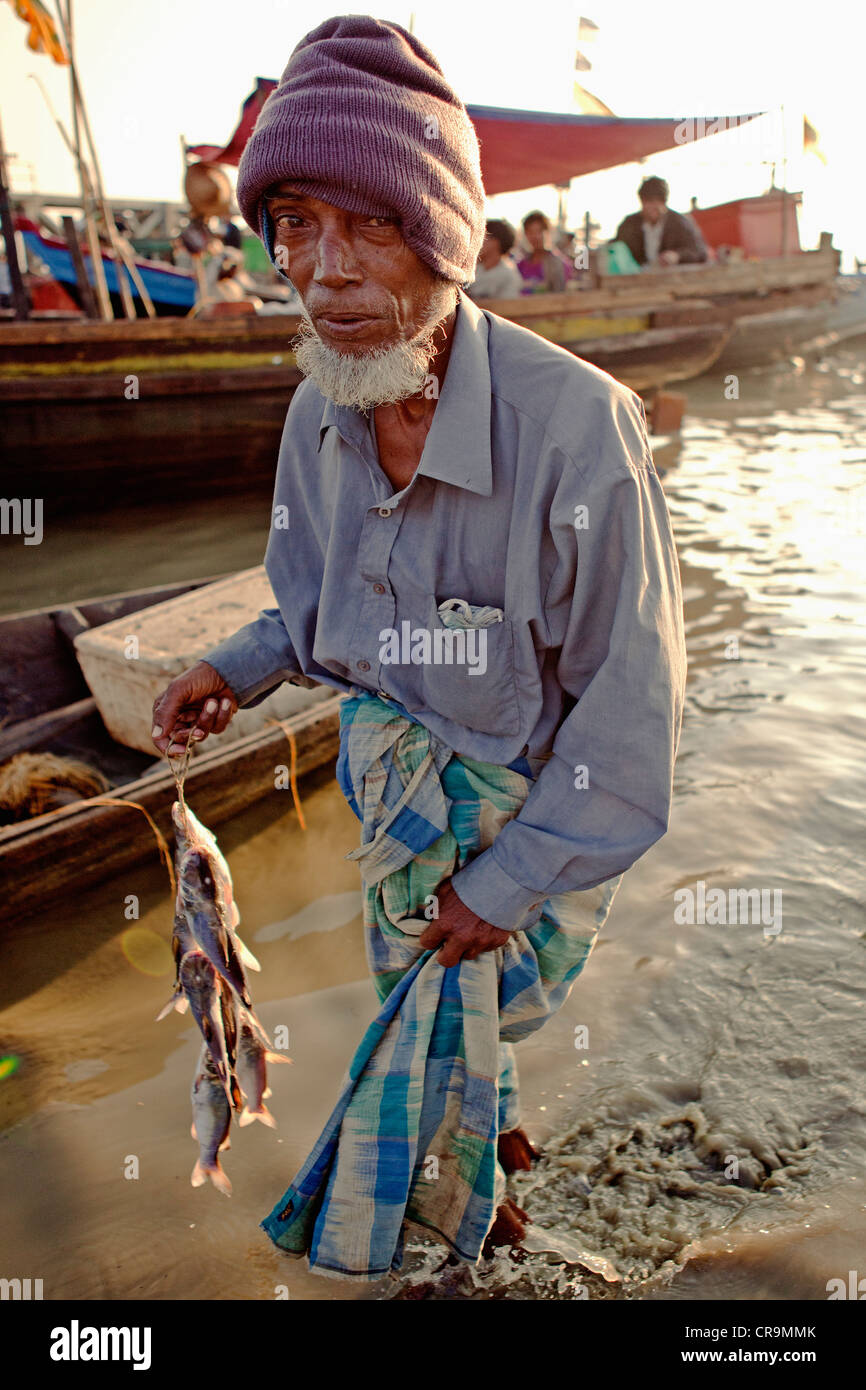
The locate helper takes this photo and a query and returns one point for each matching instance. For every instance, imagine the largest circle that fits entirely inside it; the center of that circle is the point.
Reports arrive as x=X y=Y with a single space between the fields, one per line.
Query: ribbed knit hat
x=363 y=119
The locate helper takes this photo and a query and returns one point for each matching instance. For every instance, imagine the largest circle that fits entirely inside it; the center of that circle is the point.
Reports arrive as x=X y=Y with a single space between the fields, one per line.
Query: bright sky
x=155 y=69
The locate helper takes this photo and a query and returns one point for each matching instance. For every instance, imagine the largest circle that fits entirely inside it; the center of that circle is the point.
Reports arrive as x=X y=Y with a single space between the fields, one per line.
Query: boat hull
x=46 y=705
x=120 y=411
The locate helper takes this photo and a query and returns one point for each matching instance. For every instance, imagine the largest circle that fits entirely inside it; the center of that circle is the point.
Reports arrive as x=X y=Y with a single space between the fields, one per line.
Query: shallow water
x=708 y=1140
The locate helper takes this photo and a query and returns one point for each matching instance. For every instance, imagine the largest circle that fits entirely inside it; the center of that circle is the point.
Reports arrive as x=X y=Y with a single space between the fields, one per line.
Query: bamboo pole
x=82 y=123
x=100 y=284
x=19 y=294
x=122 y=243
x=85 y=289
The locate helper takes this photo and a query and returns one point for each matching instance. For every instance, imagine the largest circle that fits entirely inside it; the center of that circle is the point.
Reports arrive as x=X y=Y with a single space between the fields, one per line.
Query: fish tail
x=262 y=1113
x=218 y=1177
x=277 y=1057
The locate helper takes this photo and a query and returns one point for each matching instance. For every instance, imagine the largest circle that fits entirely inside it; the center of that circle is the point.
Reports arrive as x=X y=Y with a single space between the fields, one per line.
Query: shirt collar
x=457 y=448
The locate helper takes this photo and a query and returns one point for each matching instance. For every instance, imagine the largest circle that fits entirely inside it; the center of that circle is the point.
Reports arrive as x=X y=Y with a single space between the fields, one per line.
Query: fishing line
x=179 y=767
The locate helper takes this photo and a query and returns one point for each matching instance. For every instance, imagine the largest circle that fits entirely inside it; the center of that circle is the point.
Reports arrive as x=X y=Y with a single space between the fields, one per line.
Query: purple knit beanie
x=363 y=119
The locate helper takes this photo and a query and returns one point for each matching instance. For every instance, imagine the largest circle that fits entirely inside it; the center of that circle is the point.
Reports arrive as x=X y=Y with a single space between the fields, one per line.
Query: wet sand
x=706 y=1043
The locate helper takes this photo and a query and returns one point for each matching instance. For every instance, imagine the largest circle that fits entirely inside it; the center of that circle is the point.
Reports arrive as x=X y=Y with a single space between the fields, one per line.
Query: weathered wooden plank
x=526 y=307
x=740 y=277
x=38 y=671
x=110 y=386
x=30 y=733
x=646 y=361
x=651 y=289
x=73 y=332
x=58 y=854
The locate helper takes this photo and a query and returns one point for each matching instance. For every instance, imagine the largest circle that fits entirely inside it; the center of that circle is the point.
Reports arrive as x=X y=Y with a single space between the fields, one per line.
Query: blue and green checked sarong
x=412 y=1139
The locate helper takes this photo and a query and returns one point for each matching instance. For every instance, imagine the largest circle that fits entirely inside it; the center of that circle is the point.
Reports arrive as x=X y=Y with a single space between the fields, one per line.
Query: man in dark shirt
x=657 y=236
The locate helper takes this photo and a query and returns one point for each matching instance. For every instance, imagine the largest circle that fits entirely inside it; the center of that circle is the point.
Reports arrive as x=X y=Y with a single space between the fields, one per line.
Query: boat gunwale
x=144 y=789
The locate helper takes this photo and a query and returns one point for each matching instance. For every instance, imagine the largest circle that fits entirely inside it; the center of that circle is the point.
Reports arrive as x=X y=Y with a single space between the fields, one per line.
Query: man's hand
x=460 y=933
x=669 y=257
x=197 y=703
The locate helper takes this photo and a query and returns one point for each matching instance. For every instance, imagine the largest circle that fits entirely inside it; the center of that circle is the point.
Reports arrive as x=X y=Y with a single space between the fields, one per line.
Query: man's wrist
x=492 y=894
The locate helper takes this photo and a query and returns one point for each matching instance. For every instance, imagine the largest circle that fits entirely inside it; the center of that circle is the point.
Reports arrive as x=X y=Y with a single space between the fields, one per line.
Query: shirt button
x=384 y=511
x=378 y=588
x=363 y=665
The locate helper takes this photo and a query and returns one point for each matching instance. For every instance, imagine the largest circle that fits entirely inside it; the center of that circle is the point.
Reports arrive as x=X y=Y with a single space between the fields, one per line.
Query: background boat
x=95 y=414
x=172 y=291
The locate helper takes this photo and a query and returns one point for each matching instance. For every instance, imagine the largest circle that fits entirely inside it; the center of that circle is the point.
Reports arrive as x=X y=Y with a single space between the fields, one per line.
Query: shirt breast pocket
x=470 y=677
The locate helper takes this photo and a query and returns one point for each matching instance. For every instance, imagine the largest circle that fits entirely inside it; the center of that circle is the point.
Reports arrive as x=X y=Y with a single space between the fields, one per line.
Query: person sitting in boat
x=470 y=541
x=496 y=275
x=657 y=236
x=543 y=269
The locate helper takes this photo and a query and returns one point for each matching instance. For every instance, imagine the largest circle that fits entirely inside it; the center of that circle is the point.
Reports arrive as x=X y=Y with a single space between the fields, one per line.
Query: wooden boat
x=171 y=290
x=144 y=405
x=46 y=705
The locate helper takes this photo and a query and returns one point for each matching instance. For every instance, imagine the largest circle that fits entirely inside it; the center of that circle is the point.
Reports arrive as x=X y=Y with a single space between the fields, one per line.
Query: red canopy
x=524 y=149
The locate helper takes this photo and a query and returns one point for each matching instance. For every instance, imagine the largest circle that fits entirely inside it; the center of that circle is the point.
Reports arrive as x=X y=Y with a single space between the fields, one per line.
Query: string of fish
x=210 y=980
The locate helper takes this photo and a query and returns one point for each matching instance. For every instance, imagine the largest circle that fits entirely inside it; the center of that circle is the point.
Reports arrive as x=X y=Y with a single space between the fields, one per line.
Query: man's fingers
x=459 y=946
x=204 y=720
x=165 y=713
x=226 y=711
x=180 y=736
x=451 y=953
x=431 y=936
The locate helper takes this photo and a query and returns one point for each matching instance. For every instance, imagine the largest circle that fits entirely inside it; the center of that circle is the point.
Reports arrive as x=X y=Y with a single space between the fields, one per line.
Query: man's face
x=652 y=210
x=361 y=285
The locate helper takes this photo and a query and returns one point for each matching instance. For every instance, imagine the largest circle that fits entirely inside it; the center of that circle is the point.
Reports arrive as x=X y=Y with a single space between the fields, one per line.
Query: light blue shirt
x=536 y=497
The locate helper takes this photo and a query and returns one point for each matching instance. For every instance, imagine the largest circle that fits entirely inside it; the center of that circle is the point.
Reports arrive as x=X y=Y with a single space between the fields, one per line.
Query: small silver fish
x=211 y=1121
x=182 y=941
x=206 y=920
x=253 y=1075
x=191 y=834
x=199 y=982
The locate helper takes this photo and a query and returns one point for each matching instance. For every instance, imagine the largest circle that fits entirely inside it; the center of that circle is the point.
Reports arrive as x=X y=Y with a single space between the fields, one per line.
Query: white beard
x=373 y=376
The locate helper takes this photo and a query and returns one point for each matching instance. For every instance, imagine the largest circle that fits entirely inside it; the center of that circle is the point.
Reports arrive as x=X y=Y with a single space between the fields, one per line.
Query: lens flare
x=9 y=1065
x=146 y=952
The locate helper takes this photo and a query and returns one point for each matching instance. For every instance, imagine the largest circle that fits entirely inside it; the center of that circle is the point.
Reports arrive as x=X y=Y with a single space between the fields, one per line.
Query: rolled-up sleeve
x=604 y=796
x=257 y=658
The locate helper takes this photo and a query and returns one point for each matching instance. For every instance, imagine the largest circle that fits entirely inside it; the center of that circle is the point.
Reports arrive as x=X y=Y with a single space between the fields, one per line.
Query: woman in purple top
x=543 y=269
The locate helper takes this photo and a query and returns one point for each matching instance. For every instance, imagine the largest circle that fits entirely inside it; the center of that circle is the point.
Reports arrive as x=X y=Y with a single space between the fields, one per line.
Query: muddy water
x=705 y=1137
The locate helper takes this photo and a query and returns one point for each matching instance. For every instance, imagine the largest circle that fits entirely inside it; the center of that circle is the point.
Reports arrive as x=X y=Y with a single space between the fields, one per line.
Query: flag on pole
x=43 y=36
x=587 y=32
x=811 y=141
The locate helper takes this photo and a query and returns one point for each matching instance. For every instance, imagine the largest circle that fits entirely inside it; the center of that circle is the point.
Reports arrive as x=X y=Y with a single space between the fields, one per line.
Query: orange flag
x=43 y=36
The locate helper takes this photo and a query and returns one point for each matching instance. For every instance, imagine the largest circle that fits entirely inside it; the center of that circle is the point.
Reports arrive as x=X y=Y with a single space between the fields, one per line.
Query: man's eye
x=288 y=219
x=380 y=221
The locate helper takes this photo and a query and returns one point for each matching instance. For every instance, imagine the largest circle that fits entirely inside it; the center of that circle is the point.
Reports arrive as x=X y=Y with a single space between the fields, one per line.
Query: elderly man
x=479 y=554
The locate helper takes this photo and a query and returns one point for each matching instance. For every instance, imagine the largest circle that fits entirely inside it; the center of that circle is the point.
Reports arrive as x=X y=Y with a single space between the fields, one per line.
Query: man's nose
x=335 y=262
